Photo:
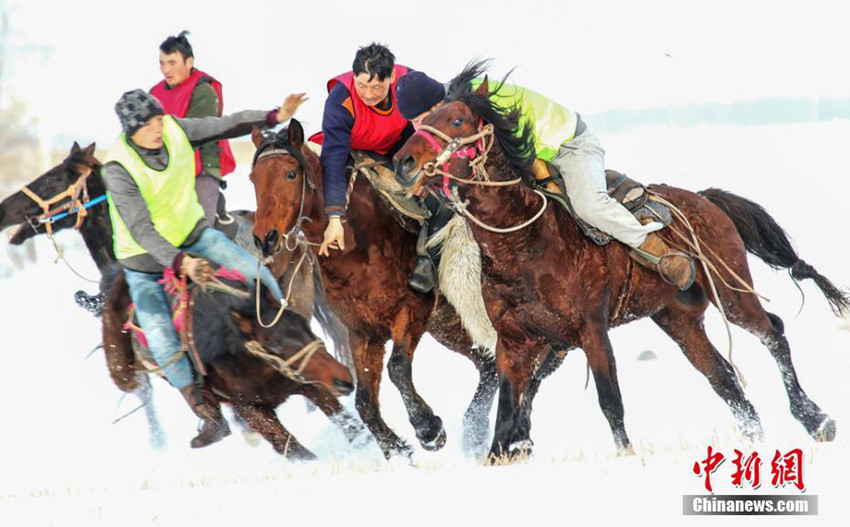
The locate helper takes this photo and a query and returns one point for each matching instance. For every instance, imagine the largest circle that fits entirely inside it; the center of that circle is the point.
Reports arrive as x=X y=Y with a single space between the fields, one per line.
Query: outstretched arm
x=204 y=129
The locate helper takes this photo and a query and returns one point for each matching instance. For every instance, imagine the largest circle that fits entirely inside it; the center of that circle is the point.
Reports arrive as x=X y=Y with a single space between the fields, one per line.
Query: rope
x=284 y=303
x=462 y=209
x=705 y=264
x=131 y=412
x=285 y=365
x=60 y=255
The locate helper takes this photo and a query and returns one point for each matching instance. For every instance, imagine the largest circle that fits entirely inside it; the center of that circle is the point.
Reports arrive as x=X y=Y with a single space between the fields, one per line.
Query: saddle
x=182 y=314
x=628 y=192
x=408 y=211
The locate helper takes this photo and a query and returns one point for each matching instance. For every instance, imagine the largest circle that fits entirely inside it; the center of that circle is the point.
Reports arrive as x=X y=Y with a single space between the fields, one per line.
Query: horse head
x=284 y=174
x=465 y=133
x=62 y=188
x=291 y=347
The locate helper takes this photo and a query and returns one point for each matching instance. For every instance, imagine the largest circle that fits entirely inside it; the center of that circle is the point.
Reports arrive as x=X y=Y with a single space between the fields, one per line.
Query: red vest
x=175 y=101
x=372 y=131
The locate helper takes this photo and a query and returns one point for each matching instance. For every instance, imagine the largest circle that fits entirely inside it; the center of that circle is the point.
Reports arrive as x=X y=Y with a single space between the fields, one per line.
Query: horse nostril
x=271 y=240
x=404 y=165
x=258 y=243
x=345 y=386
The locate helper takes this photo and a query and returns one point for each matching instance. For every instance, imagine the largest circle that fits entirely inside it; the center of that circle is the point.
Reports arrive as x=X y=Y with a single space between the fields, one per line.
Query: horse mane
x=220 y=335
x=516 y=138
x=279 y=140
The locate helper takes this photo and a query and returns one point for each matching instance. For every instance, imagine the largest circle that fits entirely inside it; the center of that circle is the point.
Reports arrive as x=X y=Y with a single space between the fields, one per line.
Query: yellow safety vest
x=169 y=193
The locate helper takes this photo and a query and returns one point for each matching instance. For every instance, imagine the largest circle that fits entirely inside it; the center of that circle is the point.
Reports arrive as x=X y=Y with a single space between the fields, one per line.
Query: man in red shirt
x=361 y=113
x=187 y=92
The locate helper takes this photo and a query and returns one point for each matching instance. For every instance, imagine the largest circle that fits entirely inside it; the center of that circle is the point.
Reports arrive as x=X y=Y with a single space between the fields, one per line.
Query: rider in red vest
x=361 y=113
x=186 y=92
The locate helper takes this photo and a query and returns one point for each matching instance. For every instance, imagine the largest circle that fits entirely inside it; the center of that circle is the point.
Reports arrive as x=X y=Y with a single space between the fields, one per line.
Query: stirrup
x=691 y=267
x=424 y=277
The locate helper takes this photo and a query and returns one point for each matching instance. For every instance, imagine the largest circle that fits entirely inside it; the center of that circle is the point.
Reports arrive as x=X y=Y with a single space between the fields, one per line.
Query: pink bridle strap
x=430 y=138
x=467 y=152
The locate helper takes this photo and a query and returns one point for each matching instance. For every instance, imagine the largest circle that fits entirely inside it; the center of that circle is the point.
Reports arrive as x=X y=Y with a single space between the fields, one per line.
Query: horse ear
x=484 y=89
x=243 y=323
x=295 y=133
x=256 y=136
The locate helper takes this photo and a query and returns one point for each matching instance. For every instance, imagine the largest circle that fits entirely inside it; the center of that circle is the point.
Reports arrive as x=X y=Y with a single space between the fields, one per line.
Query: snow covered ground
x=62 y=462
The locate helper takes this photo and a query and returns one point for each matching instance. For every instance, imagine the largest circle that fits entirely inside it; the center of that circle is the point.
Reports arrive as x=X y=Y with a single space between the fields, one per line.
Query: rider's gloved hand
x=197 y=269
x=334 y=236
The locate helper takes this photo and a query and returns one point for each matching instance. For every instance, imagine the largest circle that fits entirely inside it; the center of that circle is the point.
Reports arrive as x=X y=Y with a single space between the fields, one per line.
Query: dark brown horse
x=250 y=384
x=548 y=283
x=366 y=285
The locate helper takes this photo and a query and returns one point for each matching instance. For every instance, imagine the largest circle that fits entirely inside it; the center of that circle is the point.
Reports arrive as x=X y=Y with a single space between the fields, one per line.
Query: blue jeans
x=153 y=306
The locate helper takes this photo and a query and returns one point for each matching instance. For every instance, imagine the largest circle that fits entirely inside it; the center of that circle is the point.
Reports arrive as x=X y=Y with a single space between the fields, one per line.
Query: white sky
x=589 y=55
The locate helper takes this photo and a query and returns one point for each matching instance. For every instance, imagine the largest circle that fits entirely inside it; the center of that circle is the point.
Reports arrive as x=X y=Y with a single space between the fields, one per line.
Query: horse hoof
x=516 y=452
x=437 y=443
x=251 y=437
x=399 y=447
x=627 y=450
x=826 y=431
x=522 y=447
x=300 y=454
x=752 y=430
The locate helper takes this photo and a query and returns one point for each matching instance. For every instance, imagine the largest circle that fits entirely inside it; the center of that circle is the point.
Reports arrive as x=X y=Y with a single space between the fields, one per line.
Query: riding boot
x=424 y=276
x=675 y=267
x=214 y=427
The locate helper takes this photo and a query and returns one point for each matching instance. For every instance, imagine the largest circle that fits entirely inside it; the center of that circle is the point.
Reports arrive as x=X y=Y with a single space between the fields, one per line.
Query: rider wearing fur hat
x=158 y=223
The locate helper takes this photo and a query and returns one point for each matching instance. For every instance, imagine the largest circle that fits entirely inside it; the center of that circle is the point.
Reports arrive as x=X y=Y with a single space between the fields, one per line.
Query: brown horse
x=366 y=285
x=548 y=283
x=252 y=385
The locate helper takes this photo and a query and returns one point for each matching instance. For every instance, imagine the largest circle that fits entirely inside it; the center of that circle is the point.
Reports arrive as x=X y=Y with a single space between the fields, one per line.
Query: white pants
x=582 y=165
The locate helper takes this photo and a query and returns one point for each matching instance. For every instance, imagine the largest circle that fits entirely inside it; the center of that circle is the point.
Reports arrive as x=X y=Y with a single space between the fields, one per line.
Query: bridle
x=294 y=233
x=475 y=148
x=78 y=203
x=306 y=182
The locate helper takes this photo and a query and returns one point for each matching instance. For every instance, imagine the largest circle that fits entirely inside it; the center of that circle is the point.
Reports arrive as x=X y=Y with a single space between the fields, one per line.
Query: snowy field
x=62 y=462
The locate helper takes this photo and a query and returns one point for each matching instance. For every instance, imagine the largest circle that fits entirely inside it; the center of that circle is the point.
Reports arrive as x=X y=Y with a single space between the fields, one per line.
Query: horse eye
x=457 y=122
x=292 y=174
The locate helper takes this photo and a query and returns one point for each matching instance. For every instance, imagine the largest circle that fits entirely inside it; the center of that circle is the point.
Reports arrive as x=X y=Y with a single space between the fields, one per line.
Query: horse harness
x=306 y=182
x=78 y=203
x=184 y=322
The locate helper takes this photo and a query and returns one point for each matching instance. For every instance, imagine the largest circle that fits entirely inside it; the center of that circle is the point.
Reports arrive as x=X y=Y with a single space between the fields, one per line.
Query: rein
x=481 y=141
x=79 y=203
x=286 y=366
x=459 y=147
x=291 y=234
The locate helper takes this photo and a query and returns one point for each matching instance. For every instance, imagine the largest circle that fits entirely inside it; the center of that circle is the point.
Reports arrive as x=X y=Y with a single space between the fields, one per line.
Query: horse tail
x=331 y=325
x=117 y=343
x=764 y=238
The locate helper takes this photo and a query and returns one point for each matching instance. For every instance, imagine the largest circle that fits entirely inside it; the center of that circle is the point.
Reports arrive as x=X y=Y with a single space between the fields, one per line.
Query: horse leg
x=511 y=437
x=117 y=343
x=156 y=435
x=553 y=360
x=265 y=421
x=682 y=320
x=600 y=358
x=406 y=334
x=126 y=372
x=368 y=354
x=351 y=427
x=745 y=310
x=476 y=419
